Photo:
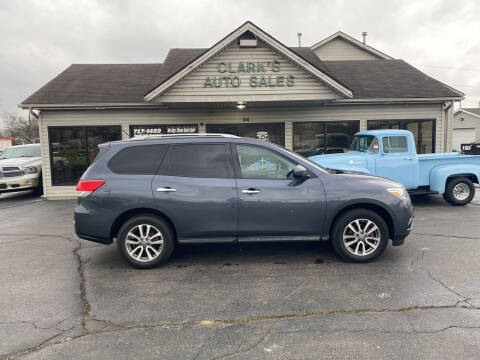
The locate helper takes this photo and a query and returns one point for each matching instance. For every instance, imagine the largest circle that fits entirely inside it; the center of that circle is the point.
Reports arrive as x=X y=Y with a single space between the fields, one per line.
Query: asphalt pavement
x=66 y=298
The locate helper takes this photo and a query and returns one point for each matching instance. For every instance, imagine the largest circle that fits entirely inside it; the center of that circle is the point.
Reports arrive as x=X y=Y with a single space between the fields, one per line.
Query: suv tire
x=146 y=241
x=359 y=235
x=459 y=191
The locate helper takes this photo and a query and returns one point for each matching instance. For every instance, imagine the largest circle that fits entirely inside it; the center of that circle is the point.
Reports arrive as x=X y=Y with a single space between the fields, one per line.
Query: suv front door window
x=260 y=163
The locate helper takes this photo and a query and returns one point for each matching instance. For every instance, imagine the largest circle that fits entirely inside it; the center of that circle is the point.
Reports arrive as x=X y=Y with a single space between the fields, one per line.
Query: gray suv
x=153 y=192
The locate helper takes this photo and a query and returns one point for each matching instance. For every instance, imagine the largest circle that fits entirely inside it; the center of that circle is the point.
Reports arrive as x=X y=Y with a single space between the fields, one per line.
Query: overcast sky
x=40 y=38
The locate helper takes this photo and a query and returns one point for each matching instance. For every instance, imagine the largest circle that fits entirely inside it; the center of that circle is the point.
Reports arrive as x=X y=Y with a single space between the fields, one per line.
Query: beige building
x=309 y=99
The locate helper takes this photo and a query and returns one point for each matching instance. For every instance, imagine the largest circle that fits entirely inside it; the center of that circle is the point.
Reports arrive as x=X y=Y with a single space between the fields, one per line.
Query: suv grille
x=10 y=171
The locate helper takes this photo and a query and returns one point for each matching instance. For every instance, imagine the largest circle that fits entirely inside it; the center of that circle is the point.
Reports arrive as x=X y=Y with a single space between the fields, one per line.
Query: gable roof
x=470 y=111
x=268 y=40
x=376 y=79
x=126 y=84
x=354 y=42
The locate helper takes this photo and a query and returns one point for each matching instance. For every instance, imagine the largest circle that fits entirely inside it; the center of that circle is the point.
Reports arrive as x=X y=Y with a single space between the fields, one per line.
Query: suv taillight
x=86 y=187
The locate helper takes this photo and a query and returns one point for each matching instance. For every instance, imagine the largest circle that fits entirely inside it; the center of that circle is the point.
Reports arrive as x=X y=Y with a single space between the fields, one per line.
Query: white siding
x=339 y=49
x=191 y=88
x=170 y=116
x=468 y=122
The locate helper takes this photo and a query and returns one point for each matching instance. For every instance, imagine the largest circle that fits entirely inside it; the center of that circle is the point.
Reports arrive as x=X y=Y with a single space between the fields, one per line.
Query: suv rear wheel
x=146 y=241
x=359 y=235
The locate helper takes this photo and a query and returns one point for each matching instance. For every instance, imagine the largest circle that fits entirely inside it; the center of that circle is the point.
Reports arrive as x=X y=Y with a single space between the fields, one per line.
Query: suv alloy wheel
x=145 y=241
x=359 y=235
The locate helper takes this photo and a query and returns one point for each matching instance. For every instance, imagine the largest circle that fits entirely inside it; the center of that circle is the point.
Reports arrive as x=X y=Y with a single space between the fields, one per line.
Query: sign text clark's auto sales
x=263 y=74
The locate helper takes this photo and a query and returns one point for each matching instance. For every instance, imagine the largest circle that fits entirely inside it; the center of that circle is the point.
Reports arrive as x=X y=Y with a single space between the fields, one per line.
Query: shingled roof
x=128 y=83
x=370 y=79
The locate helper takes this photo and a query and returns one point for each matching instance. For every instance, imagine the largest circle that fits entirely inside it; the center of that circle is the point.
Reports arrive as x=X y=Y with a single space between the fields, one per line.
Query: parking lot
x=62 y=297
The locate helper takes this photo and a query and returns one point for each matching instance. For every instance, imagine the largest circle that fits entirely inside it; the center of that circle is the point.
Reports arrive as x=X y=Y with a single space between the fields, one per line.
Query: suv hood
x=356 y=178
x=350 y=161
x=23 y=161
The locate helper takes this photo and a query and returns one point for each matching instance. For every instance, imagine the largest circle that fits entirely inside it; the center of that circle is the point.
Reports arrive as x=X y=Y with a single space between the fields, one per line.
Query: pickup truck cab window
x=395 y=144
x=365 y=143
x=260 y=163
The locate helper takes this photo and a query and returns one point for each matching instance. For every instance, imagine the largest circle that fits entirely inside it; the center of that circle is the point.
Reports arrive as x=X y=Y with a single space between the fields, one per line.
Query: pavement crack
x=414 y=331
x=247 y=349
x=202 y=347
x=448 y=236
x=246 y=320
x=83 y=287
x=464 y=298
x=24 y=322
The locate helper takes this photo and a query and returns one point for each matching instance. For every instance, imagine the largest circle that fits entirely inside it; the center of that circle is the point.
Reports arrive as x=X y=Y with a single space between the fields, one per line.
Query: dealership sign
x=261 y=74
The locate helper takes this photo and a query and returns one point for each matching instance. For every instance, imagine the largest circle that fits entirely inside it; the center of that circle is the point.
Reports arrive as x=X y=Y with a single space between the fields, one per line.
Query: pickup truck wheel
x=145 y=241
x=459 y=191
x=359 y=235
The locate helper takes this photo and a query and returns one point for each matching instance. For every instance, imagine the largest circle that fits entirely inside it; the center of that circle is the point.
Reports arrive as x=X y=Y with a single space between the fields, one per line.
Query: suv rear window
x=139 y=160
x=200 y=161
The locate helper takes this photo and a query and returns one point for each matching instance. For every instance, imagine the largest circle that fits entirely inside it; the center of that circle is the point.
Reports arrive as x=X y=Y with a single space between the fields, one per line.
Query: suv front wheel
x=146 y=241
x=359 y=235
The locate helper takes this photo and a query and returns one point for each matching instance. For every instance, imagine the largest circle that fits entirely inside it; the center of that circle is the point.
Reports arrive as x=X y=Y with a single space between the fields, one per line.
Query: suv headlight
x=399 y=192
x=30 y=170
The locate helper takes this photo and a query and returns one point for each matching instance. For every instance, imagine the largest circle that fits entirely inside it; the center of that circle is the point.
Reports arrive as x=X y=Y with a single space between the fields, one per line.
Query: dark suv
x=151 y=193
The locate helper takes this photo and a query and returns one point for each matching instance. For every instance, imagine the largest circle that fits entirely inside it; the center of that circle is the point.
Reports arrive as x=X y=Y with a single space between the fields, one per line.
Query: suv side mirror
x=300 y=172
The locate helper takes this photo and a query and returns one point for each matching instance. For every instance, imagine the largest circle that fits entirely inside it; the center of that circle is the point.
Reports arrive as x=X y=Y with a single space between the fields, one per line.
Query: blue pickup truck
x=392 y=154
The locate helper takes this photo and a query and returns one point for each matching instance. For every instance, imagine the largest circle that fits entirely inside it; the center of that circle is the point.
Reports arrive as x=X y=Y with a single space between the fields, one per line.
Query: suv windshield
x=21 y=151
x=365 y=143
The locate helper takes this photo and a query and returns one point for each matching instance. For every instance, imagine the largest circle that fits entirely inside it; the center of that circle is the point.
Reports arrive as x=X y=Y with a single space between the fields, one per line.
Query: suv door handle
x=166 y=189
x=409 y=158
x=250 y=191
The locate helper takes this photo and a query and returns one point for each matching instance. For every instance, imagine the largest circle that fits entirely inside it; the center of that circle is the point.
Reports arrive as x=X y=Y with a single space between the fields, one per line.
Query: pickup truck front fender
x=440 y=174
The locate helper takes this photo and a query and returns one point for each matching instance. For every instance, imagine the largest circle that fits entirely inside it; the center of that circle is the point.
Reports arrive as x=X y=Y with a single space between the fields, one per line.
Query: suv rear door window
x=200 y=161
x=139 y=160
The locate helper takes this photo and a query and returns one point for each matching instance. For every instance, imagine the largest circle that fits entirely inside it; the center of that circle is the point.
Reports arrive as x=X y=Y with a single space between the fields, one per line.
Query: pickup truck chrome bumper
x=19 y=183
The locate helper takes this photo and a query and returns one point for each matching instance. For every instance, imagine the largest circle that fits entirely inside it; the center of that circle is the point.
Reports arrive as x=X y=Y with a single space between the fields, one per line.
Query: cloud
x=41 y=38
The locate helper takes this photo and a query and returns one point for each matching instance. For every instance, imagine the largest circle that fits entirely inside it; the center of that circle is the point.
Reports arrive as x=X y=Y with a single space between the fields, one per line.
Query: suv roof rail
x=163 y=136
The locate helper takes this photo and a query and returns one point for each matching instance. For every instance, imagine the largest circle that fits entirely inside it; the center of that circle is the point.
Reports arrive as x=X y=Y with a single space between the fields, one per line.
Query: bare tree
x=29 y=130
x=21 y=129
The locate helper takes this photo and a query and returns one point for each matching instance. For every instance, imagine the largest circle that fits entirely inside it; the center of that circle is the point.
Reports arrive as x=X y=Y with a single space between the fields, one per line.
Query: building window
x=272 y=132
x=73 y=149
x=323 y=137
x=423 y=131
x=138 y=130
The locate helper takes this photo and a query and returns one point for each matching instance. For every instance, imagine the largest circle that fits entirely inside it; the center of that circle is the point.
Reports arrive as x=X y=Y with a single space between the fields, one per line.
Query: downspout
x=445 y=108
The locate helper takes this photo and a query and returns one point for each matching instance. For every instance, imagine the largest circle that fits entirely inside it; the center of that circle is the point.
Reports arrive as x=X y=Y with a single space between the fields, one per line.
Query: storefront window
x=272 y=132
x=423 y=131
x=322 y=137
x=138 y=130
x=73 y=149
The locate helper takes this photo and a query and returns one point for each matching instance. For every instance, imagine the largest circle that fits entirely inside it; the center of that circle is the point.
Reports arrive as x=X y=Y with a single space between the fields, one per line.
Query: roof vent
x=248 y=43
x=248 y=40
x=364 y=34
